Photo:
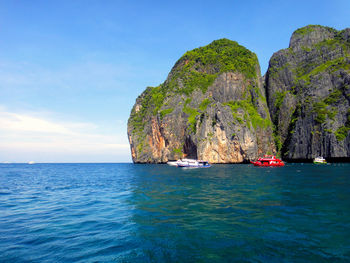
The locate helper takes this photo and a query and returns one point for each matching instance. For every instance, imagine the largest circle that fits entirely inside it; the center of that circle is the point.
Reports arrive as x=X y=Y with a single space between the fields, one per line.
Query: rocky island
x=308 y=94
x=214 y=104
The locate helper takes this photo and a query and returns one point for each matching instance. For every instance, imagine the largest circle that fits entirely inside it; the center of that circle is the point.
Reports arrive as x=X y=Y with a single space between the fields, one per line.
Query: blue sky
x=70 y=71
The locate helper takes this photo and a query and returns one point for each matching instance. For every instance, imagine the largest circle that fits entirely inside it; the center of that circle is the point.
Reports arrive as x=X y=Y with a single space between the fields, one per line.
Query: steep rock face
x=308 y=94
x=212 y=106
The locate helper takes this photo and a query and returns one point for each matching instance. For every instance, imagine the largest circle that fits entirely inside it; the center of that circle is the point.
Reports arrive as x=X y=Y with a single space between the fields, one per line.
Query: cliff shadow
x=190 y=148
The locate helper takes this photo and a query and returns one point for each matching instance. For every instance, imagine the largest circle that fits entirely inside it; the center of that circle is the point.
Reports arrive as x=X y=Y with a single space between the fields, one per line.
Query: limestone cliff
x=212 y=106
x=308 y=94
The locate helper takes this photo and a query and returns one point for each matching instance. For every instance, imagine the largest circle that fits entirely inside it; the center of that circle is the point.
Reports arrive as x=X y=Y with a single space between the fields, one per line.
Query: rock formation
x=308 y=94
x=212 y=106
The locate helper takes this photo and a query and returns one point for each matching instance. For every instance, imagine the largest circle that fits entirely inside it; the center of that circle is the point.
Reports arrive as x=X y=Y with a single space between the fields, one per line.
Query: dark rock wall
x=307 y=89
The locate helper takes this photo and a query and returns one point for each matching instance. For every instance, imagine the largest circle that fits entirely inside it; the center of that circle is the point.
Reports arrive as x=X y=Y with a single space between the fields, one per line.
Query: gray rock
x=307 y=87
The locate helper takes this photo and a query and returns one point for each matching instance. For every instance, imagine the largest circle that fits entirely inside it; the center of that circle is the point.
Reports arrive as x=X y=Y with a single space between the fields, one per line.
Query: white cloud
x=25 y=137
x=23 y=123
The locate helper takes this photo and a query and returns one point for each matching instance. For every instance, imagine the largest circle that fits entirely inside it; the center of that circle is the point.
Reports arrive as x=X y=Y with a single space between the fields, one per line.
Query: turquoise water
x=157 y=213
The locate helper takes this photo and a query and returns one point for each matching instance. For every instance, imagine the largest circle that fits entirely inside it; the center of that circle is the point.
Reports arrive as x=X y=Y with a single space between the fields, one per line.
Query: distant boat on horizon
x=31 y=162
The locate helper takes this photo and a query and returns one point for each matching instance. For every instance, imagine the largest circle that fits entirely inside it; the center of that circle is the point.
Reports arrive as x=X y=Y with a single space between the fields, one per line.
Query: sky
x=70 y=71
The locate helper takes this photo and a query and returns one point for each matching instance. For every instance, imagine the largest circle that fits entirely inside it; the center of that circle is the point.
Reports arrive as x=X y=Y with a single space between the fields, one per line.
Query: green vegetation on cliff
x=343 y=131
x=330 y=66
x=329 y=55
x=204 y=104
x=311 y=28
x=322 y=112
x=223 y=55
x=279 y=98
x=195 y=70
x=250 y=111
x=165 y=112
x=192 y=114
x=152 y=98
x=198 y=68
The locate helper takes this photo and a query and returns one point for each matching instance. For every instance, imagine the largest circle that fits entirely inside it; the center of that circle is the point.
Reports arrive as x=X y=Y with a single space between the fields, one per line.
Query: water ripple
x=156 y=213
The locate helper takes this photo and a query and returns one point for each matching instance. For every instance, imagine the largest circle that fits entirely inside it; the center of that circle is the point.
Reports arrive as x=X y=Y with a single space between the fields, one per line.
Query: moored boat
x=191 y=163
x=320 y=160
x=268 y=160
x=180 y=161
x=172 y=163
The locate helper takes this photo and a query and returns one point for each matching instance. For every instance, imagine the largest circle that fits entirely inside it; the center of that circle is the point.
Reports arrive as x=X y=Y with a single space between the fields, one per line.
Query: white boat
x=172 y=163
x=31 y=162
x=320 y=159
x=191 y=163
x=180 y=161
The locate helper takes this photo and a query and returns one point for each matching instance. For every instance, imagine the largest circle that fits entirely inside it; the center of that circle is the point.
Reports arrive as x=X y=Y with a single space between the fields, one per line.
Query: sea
x=158 y=213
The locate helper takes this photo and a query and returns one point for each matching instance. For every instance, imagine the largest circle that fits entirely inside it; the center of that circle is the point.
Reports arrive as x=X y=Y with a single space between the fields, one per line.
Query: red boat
x=268 y=160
